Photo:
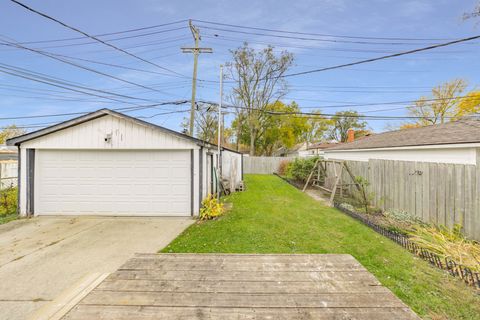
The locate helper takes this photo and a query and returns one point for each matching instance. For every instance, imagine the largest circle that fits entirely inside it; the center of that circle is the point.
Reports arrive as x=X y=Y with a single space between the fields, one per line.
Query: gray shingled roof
x=462 y=131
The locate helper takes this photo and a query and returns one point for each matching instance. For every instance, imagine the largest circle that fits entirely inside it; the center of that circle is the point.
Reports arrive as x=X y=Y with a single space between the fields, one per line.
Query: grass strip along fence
x=466 y=274
x=456 y=270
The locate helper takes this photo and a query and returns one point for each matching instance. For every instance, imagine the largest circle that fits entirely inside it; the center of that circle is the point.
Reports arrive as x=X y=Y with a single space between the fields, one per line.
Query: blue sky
x=399 y=79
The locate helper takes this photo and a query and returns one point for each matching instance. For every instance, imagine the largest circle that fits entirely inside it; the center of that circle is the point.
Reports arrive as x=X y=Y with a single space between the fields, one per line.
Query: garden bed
x=457 y=270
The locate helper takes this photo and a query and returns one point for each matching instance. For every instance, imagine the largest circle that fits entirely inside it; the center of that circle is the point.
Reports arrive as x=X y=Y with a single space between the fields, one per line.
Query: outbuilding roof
x=97 y=114
x=455 y=132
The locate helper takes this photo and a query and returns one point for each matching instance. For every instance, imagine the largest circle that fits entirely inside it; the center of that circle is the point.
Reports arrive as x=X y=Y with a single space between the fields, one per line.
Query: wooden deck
x=236 y=286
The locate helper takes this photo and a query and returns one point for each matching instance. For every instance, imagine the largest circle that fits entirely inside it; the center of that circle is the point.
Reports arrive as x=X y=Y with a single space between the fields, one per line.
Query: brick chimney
x=350 y=135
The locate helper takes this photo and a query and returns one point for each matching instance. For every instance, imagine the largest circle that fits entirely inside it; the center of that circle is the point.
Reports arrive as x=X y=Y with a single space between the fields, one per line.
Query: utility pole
x=196 y=50
x=220 y=130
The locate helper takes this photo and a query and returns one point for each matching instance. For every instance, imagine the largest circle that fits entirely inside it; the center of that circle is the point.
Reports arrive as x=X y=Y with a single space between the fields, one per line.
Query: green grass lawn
x=274 y=217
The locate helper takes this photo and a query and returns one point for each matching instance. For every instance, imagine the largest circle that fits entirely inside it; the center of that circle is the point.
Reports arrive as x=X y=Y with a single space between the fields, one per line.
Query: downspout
x=200 y=184
x=19 y=171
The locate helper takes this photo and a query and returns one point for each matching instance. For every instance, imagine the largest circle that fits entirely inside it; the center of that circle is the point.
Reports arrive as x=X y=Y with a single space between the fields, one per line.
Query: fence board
x=425 y=181
x=470 y=179
x=460 y=195
x=263 y=165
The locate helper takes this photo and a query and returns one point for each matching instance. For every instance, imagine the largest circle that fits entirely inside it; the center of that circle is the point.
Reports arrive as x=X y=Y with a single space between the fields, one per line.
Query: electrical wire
x=398 y=54
x=63 y=85
x=318 y=114
x=309 y=39
x=126 y=109
x=54 y=57
x=94 y=38
x=107 y=34
x=321 y=34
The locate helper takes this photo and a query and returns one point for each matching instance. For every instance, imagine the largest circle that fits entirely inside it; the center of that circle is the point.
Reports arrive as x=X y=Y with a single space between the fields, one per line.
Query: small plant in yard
x=211 y=208
x=402 y=216
x=359 y=198
x=283 y=167
x=448 y=243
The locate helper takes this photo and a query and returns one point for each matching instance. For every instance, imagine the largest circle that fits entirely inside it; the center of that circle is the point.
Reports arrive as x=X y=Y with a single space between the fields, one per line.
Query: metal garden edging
x=456 y=270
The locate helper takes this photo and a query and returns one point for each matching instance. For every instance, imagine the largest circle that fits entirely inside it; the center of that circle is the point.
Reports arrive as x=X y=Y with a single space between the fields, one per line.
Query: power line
x=126 y=109
x=309 y=39
x=319 y=114
x=63 y=85
x=42 y=125
x=283 y=45
x=384 y=57
x=107 y=34
x=321 y=34
x=93 y=37
x=166 y=40
x=49 y=55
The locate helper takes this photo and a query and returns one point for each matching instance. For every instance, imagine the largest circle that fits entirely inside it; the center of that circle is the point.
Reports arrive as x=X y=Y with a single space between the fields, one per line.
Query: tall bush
x=8 y=200
x=300 y=168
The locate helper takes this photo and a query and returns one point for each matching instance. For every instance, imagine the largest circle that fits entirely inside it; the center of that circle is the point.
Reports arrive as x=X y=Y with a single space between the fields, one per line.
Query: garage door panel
x=113 y=182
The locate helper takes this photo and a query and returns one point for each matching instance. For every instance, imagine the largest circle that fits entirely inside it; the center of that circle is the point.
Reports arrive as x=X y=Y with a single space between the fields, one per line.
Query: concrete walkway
x=42 y=257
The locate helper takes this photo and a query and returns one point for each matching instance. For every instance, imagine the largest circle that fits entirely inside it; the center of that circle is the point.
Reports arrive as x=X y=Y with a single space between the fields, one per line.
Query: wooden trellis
x=321 y=178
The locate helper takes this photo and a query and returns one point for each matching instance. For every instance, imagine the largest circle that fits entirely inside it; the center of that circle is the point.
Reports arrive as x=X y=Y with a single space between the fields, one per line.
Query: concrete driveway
x=42 y=257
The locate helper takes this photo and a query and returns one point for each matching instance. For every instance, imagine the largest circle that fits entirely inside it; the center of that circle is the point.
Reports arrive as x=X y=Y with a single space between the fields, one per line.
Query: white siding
x=460 y=155
x=125 y=134
x=8 y=173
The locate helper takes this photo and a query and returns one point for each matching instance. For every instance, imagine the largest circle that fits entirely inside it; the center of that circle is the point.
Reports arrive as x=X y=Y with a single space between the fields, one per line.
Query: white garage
x=107 y=163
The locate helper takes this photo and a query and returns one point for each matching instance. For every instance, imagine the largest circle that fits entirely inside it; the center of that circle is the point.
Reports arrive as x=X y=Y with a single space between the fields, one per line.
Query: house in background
x=453 y=142
x=298 y=150
x=8 y=166
x=318 y=149
x=108 y=163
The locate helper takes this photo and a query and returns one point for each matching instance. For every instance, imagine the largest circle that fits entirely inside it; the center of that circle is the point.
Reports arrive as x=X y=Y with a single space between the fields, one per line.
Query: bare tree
x=258 y=75
x=206 y=123
x=474 y=14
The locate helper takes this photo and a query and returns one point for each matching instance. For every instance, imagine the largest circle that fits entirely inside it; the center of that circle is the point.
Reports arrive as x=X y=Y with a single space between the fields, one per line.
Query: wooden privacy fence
x=439 y=193
x=263 y=165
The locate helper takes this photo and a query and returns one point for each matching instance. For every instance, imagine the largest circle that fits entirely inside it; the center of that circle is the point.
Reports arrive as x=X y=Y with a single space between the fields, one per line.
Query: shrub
x=448 y=243
x=211 y=208
x=402 y=216
x=300 y=168
x=283 y=167
x=8 y=201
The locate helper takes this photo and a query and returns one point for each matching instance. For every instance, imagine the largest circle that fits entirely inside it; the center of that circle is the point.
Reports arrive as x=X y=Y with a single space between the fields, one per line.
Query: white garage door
x=126 y=183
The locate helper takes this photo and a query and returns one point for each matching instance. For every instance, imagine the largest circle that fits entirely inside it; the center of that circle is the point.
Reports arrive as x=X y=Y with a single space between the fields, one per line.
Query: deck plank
x=236 y=286
x=149 y=313
x=242 y=286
